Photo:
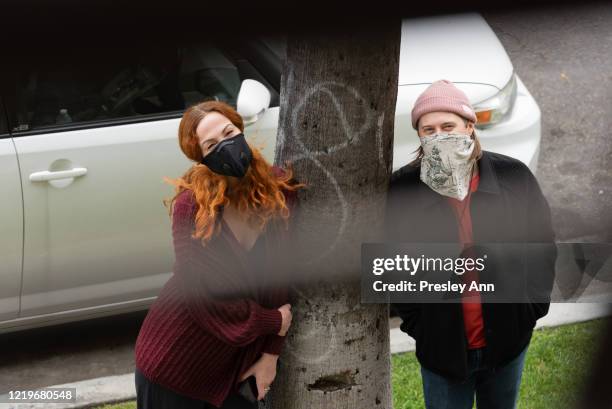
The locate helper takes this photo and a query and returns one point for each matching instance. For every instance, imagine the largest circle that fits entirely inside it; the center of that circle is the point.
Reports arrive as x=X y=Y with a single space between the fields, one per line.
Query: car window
x=277 y=44
x=102 y=84
x=255 y=59
x=3 y=120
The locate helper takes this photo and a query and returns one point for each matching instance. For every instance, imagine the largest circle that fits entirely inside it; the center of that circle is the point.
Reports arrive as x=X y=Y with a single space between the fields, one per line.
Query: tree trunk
x=337 y=108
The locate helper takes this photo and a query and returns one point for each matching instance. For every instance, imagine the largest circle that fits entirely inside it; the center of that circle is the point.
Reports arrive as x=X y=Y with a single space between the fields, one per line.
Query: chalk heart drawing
x=353 y=134
x=316 y=334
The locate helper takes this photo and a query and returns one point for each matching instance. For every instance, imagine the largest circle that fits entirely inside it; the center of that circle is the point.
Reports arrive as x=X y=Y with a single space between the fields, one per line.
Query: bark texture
x=337 y=108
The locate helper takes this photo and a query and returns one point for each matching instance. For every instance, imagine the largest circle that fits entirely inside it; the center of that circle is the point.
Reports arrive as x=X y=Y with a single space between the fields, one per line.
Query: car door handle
x=60 y=174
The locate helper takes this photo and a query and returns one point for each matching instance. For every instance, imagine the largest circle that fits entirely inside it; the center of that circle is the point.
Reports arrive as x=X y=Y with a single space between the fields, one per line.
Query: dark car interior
x=134 y=82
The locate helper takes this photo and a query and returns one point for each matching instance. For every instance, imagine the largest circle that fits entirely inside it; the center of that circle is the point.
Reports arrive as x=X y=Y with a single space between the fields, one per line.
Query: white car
x=87 y=136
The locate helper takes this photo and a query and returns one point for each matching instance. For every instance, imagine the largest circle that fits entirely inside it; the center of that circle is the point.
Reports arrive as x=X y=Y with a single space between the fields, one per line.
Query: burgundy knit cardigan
x=218 y=311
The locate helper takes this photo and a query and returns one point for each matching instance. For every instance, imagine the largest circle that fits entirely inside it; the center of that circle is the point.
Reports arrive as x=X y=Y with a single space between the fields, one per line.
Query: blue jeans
x=494 y=388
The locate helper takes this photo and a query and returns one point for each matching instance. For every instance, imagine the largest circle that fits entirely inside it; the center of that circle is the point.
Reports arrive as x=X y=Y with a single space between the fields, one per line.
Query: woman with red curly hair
x=215 y=331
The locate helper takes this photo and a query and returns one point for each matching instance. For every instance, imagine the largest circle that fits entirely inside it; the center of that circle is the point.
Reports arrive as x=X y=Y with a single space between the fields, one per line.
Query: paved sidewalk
x=109 y=389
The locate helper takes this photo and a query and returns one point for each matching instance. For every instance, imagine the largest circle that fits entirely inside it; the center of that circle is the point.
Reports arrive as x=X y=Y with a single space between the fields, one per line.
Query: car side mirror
x=253 y=99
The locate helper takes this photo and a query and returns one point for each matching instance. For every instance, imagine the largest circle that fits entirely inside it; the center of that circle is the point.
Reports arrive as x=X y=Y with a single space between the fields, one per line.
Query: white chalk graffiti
x=352 y=136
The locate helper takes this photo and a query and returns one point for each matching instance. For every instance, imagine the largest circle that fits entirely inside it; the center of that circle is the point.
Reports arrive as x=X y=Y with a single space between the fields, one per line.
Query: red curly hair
x=258 y=194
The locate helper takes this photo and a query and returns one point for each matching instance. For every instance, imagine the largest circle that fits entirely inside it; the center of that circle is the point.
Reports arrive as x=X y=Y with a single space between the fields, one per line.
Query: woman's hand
x=285 y=311
x=265 y=372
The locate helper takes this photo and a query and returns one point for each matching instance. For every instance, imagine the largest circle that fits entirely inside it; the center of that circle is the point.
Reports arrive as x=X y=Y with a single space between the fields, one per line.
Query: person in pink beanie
x=454 y=191
x=445 y=105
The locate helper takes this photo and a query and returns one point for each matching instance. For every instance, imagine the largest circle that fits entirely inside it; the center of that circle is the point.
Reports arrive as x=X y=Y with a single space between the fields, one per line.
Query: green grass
x=125 y=405
x=557 y=361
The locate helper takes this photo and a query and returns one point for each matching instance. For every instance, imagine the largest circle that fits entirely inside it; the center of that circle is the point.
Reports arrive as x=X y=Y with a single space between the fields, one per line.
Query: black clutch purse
x=248 y=389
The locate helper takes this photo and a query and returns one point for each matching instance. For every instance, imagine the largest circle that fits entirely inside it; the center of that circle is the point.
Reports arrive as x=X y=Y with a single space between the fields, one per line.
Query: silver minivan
x=87 y=137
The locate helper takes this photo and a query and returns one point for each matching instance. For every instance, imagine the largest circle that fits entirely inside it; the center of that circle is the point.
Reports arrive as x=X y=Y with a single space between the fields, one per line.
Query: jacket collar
x=488 y=183
x=488 y=177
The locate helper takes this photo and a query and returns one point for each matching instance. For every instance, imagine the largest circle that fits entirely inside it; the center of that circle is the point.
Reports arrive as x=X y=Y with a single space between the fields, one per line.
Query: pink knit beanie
x=442 y=95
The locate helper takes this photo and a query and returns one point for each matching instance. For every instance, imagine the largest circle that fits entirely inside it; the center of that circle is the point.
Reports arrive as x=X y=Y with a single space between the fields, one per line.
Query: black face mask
x=231 y=157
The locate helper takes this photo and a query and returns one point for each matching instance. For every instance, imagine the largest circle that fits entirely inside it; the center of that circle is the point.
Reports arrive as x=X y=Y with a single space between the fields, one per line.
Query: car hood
x=458 y=47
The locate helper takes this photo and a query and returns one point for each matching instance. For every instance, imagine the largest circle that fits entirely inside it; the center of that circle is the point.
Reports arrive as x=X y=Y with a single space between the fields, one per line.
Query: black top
x=508 y=206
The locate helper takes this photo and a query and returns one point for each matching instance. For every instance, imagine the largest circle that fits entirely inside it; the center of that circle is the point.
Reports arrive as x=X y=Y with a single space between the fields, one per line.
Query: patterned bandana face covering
x=446 y=166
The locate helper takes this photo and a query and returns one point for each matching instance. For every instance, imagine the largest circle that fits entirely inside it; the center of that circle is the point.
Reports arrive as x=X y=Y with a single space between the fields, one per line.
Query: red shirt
x=198 y=344
x=472 y=309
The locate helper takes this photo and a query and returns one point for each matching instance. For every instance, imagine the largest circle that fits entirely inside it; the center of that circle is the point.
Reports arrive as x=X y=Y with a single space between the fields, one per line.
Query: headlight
x=493 y=110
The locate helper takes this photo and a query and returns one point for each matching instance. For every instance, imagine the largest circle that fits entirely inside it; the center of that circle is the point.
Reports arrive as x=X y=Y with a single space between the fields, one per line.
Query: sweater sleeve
x=273 y=343
x=237 y=320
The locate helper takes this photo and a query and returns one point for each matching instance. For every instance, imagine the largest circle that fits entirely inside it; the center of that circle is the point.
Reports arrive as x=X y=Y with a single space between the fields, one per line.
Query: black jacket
x=508 y=206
